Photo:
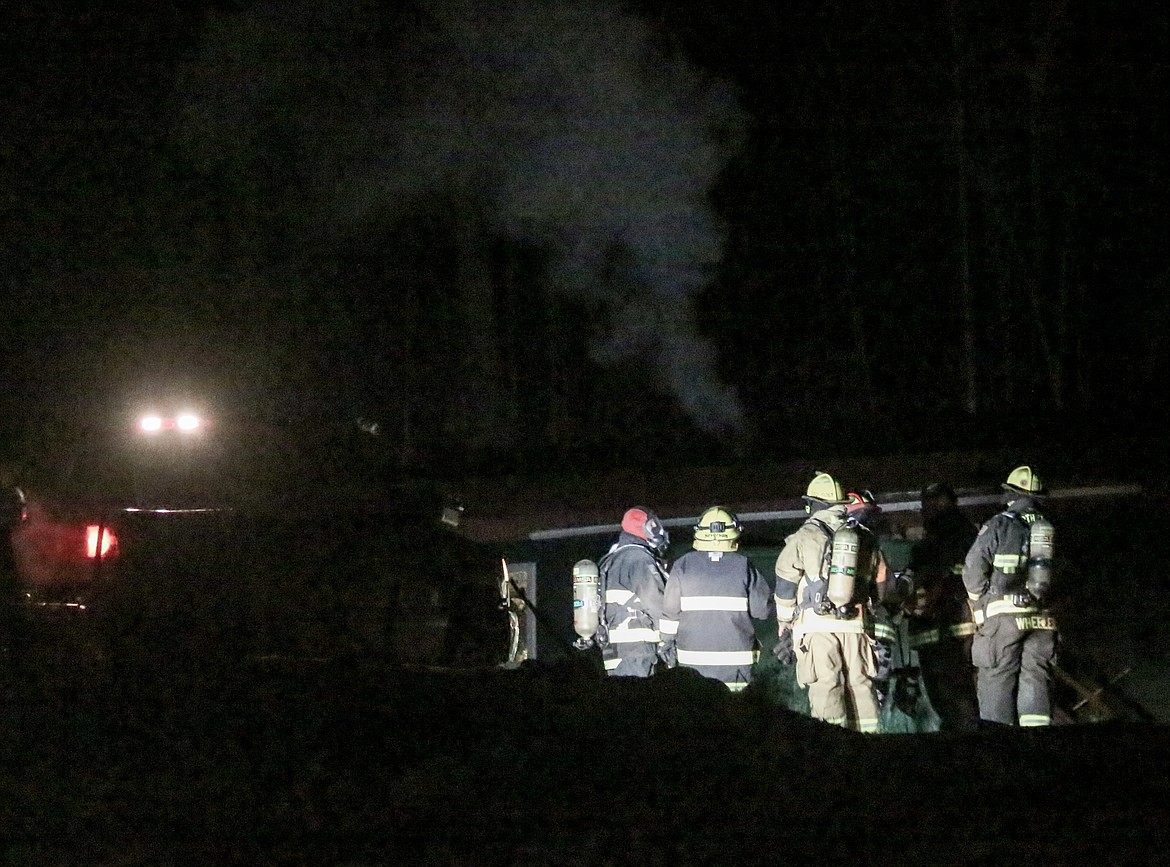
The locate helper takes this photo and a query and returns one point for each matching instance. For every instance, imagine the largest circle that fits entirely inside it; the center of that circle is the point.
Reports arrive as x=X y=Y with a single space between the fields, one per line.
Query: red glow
x=109 y=541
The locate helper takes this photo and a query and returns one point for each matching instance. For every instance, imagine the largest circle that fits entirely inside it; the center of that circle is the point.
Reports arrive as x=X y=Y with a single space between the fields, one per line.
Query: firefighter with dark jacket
x=832 y=646
x=633 y=578
x=941 y=625
x=1006 y=574
x=712 y=595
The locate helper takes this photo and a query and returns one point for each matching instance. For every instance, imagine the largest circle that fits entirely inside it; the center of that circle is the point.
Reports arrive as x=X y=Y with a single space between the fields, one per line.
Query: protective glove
x=885 y=660
x=783 y=650
x=907 y=690
x=1024 y=599
x=668 y=653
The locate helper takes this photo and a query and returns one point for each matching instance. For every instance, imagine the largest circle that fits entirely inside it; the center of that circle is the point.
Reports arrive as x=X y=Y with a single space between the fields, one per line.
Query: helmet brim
x=1040 y=494
x=809 y=499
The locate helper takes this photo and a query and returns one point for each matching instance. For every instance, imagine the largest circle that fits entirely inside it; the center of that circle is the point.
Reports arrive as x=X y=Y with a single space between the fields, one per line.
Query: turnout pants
x=630 y=659
x=949 y=679
x=1014 y=671
x=838 y=670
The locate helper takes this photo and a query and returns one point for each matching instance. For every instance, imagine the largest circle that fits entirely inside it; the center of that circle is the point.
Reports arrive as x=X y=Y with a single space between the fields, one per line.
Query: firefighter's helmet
x=644 y=524
x=1022 y=480
x=860 y=502
x=825 y=489
x=718 y=529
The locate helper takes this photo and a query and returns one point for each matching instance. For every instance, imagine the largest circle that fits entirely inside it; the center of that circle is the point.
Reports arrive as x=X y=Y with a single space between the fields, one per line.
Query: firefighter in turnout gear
x=863 y=513
x=833 y=644
x=1005 y=575
x=633 y=578
x=941 y=625
x=712 y=595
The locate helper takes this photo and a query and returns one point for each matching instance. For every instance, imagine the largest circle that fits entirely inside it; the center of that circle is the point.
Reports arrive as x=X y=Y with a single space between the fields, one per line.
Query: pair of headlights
x=185 y=422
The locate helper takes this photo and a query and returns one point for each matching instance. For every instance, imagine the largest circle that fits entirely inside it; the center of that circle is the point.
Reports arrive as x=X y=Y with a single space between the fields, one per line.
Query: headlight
x=187 y=422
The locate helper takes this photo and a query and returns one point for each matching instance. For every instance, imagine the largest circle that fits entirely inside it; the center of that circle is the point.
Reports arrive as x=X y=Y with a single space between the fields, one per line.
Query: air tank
x=586 y=599
x=843 y=565
x=1041 y=551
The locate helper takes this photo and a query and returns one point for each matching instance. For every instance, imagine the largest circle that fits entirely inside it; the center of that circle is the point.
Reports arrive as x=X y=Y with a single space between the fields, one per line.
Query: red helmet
x=859 y=502
x=644 y=524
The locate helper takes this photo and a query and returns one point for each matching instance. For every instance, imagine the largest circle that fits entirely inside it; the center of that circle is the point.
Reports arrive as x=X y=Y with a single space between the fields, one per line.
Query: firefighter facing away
x=825 y=624
x=863 y=514
x=633 y=578
x=1007 y=573
x=712 y=595
x=941 y=626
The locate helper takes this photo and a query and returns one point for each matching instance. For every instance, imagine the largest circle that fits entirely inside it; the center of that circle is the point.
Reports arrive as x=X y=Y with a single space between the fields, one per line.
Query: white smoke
x=564 y=119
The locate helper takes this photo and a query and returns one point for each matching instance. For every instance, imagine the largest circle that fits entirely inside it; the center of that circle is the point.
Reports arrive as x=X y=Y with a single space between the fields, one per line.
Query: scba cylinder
x=843 y=565
x=1041 y=551
x=586 y=598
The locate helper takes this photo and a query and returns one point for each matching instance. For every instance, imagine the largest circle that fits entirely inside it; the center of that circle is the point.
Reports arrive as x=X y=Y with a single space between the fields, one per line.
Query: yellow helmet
x=718 y=529
x=825 y=489
x=1023 y=481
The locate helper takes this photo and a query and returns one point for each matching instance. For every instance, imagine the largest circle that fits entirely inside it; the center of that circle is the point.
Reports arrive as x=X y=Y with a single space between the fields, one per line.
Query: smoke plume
x=566 y=121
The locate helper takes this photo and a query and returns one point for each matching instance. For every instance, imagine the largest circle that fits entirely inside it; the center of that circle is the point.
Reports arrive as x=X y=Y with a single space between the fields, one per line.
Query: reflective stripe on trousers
x=1003 y=606
x=926 y=637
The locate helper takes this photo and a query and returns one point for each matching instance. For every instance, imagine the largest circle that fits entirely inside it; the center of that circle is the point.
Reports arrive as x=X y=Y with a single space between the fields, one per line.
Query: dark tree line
x=964 y=211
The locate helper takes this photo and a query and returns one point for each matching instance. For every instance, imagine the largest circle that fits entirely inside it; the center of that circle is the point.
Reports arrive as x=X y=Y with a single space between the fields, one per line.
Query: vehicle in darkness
x=257 y=539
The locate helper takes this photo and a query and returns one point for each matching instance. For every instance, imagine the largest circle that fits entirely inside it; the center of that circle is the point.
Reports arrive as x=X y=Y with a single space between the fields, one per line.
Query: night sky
x=528 y=236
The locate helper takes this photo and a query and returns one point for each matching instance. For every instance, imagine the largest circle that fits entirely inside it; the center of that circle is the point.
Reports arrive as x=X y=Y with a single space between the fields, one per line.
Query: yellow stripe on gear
x=611 y=664
x=785 y=610
x=1007 y=606
x=1034 y=720
x=1008 y=564
x=668 y=627
x=618 y=597
x=925 y=637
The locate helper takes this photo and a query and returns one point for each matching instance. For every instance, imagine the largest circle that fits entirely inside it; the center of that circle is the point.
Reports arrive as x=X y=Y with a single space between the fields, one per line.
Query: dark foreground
x=361 y=763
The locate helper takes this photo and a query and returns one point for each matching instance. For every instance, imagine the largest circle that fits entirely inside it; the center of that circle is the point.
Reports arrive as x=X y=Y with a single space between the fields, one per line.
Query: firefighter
x=1014 y=648
x=633 y=578
x=833 y=651
x=863 y=512
x=941 y=626
x=712 y=595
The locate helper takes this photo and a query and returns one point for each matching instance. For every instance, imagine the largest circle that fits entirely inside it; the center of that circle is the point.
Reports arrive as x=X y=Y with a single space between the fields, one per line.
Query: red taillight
x=109 y=541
